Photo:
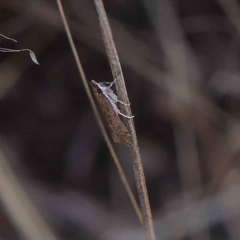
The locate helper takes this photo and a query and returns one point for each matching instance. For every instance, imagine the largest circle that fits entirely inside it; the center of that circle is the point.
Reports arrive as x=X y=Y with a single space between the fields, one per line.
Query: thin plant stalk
x=97 y=115
x=123 y=96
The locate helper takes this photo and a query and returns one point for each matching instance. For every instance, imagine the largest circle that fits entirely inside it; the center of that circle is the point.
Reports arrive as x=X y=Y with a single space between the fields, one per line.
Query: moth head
x=96 y=87
x=94 y=84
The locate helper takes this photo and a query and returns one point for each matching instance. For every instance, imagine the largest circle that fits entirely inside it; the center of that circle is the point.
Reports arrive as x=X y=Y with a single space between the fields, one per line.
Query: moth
x=108 y=100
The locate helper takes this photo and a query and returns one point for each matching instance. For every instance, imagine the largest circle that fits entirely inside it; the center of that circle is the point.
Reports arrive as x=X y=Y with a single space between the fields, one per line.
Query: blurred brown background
x=180 y=60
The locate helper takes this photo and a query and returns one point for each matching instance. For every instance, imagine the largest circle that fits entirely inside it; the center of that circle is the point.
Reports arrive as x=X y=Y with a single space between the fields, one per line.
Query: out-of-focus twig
x=54 y=204
x=182 y=65
x=232 y=9
x=20 y=209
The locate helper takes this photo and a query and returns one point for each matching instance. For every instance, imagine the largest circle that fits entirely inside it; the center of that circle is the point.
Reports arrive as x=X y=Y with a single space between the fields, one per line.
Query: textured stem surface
x=123 y=96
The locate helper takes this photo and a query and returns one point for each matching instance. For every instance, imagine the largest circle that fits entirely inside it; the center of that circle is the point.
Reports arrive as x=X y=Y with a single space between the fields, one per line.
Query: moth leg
x=116 y=100
x=127 y=104
x=118 y=111
x=110 y=83
x=125 y=115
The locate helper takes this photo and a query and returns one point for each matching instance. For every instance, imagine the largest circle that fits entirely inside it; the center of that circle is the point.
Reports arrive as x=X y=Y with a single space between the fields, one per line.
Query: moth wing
x=118 y=130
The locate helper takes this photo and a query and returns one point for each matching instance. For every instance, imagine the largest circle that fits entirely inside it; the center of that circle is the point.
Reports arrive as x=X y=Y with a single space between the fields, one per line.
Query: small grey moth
x=107 y=100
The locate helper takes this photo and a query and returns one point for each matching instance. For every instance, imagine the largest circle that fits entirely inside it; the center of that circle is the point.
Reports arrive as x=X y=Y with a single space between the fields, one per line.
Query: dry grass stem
x=123 y=96
x=20 y=209
x=96 y=113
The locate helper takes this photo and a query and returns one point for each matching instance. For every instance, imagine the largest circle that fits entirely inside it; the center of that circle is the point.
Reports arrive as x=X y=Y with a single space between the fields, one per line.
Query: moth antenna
x=110 y=83
x=106 y=82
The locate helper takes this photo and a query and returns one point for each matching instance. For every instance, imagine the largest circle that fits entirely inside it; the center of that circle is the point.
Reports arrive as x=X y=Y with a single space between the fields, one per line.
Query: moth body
x=107 y=100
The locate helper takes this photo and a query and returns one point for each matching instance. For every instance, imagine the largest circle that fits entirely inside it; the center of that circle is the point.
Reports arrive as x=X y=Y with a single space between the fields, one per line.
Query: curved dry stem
x=96 y=113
